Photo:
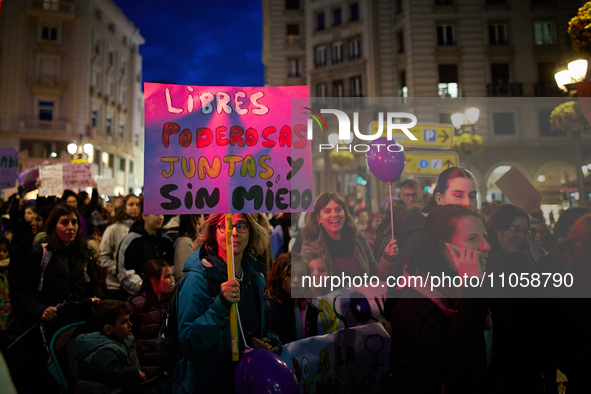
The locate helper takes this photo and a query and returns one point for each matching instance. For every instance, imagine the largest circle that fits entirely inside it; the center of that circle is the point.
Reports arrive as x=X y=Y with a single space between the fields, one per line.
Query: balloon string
x=391 y=209
x=241 y=330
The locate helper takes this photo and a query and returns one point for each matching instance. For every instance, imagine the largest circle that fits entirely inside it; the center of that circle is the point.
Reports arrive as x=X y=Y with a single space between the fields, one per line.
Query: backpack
x=168 y=347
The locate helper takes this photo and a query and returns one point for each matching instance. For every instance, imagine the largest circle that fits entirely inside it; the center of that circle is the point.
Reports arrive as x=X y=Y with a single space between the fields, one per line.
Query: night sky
x=197 y=42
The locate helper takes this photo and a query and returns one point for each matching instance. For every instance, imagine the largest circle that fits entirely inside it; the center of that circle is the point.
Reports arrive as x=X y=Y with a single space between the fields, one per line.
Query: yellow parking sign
x=434 y=136
x=429 y=163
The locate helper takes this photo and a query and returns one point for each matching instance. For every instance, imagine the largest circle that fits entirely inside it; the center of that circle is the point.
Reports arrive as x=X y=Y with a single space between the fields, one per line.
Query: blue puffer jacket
x=204 y=329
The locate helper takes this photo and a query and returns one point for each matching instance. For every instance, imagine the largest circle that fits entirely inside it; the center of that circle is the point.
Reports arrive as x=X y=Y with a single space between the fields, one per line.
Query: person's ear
x=107 y=329
x=439 y=198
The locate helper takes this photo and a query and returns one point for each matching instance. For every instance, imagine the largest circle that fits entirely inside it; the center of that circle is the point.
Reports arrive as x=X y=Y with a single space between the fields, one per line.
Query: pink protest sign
x=220 y=149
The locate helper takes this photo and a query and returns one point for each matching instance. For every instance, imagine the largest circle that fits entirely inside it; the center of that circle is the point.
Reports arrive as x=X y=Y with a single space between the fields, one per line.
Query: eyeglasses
x=518 y=231
x=241 y=227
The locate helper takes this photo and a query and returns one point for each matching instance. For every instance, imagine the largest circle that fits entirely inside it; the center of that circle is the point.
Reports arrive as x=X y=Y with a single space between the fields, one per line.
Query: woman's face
x=332 y=218
x=37 y=224
x=375 y=223
x=132 y=207
x=29 y=215
x=470 y=234
x=71 y=201
x=67 y=227
x=512 y=239
x=165 y=283
x=240 y=239
x=460 y=191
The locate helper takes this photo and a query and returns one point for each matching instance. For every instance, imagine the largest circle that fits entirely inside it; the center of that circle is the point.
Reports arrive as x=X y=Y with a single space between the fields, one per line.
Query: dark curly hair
x=427 y=251
x=107 y=312
x=500 y=219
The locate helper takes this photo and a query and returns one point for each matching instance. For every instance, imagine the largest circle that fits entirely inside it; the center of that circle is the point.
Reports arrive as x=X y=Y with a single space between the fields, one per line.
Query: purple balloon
x=385 y=165
x=262 y=371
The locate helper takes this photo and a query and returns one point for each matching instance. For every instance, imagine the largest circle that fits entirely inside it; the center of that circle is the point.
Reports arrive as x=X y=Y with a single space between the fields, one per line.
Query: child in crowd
x=104 y=356
x=287 y=312
x=319 y=267
x=5 y=306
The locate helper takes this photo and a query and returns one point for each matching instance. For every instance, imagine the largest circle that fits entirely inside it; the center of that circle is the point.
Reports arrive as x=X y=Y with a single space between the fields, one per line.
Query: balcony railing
x=54 y=6
x=46 y=126
x=547 y=90
x=504 y=90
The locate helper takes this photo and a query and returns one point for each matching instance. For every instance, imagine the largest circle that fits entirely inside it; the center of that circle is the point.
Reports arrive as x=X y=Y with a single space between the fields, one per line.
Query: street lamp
x=465 y=122
x=80 y=153
x=567 y=79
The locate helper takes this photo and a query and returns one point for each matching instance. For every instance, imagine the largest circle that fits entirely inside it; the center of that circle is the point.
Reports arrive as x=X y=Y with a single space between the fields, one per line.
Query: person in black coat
x=287 y=312
x=36 y=293
x=145 y=241
x=438 y=342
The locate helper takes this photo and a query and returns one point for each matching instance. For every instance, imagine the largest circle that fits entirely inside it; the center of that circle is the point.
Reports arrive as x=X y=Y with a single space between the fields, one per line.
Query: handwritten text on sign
x=8 y=167
x=225 y=149
x=56 y=178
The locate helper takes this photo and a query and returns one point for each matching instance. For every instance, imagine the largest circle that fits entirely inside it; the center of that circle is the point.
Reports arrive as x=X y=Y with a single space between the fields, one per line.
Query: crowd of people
x=79 y=259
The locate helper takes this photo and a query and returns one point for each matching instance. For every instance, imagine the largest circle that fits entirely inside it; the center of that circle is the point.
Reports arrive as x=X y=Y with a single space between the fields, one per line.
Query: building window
x=448 y=81
x=338 y=88
x=94 y=117
x=46 y=110
x=544 y=33
x=497 y=34
x=98 y=14
x=295 y=68
x=355 y=49
x=321 y=90
x=136 y=139
x=320 y=60
x=121 y=164
x=108 y=123
x=49 y=31
x=504 y=123
x=112 y=27
x=131 y=166
x=111 y=58
x=97 y=46
x=444 y=2
x=337 y=16
x=499 y=73
x=293 y=34
x=402 y=82
x=400 y=40
x=121 y=130
x=292 y=4
x=446 y=35
x=355 y=87
x=354 y=12
x=320 y=21
x=496 y=2
x=124 y=40
x=123 y=68
x=337 y=52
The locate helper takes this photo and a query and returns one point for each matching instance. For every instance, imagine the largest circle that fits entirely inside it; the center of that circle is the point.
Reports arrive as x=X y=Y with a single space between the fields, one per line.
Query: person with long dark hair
x=183 y=246
x=455 y=186
x=205 y=296
x=288 y=311
x=438 y=342
x=69 y=275
x=149 y=309
x=331 y=230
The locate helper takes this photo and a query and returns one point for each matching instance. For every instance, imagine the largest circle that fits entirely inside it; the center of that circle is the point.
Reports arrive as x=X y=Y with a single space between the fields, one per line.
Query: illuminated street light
x=566 y=79
x=465 y=122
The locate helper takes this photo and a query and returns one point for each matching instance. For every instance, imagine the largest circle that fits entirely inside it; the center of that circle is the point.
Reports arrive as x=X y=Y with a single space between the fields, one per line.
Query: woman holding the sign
x=330 y=230
x=205 y=296
x=438 y=341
